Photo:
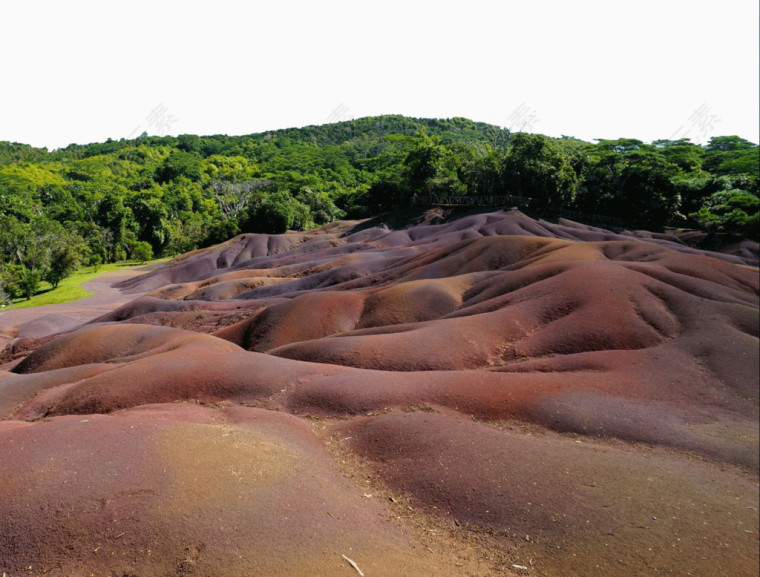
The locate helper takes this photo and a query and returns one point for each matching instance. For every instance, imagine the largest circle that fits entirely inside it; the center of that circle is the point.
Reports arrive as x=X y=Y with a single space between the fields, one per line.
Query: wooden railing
x=478 y=200
x=586 y=217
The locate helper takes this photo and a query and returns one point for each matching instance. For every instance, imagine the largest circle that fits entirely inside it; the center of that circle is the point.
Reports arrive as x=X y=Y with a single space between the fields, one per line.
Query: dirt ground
x=35 y=322
x=482 y=395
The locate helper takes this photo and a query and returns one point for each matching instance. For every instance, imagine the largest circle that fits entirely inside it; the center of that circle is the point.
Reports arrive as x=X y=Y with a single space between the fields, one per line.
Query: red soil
x=594 y=509
x=595 y=392
x=177 y=489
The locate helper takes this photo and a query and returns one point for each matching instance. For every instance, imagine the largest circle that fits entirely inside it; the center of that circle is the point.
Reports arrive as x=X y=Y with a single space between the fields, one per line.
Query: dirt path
x=35 y=322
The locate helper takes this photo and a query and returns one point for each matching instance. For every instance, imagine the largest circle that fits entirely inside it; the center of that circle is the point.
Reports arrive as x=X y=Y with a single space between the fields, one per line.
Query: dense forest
x=160 y=196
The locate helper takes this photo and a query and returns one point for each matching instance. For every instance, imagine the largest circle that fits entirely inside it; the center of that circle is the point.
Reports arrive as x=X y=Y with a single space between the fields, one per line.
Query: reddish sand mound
x=543 y=398
x=145 y=364
x=257 y=251
x=196 y=316
x=242 y=249
x=177 y=489
x=224 y=286
x=594 y=509
x=115 y=343
x=564 y=302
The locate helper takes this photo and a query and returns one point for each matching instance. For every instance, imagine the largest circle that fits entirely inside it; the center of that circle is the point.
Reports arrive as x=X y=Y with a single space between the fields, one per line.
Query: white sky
x=83 y=71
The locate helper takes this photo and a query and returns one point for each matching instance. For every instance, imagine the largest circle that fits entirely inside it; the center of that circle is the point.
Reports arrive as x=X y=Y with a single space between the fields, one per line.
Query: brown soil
x=481 y=395
x=20 y=327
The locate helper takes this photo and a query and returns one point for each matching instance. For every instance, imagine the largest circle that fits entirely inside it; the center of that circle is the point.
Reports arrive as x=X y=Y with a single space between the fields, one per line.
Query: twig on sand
x=354 y=565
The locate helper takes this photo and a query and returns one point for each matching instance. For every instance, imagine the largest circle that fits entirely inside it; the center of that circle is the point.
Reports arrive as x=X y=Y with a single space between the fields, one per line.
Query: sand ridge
x=528 y=398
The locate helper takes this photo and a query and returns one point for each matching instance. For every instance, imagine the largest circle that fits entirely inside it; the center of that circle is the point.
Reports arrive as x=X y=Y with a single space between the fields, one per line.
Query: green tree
x=184 y=236
x=274 y=215
x=731 y=155
x=484 y=175
x=95 y=261
x=69 y=252
x=430 y=168
x=13 y=239
x=29 y=282
x=111 y=217
x=235 y=197
x=18 y=281
x=150 y=217
x=39 y=249
x=29 y=244
x=320 y=207
x=682 y=153
x=631 y=180
x=732 y=210
x=179 y=164
x=536 y=167
x=140 y=251
x=9 y=282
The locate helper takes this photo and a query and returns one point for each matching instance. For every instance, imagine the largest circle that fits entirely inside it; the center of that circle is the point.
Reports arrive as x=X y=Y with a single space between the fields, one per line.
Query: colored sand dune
x=483 y=395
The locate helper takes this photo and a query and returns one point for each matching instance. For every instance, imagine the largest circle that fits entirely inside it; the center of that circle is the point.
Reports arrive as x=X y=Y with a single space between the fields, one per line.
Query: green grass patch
x=70 y=288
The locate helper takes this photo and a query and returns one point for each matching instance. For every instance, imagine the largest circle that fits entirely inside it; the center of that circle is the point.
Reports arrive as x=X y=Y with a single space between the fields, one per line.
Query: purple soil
x=179 y=489
x=597 y=510
x=523 y=378
x=35 y=322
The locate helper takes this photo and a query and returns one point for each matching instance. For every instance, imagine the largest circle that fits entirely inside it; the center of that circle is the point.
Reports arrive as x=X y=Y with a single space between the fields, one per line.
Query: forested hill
x=108 y=201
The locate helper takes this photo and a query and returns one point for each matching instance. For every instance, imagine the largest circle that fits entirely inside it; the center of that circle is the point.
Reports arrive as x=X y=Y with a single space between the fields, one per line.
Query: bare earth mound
x=483 y=395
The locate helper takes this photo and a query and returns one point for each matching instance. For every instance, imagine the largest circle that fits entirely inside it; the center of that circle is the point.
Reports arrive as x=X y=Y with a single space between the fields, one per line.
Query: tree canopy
x=98 y=201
